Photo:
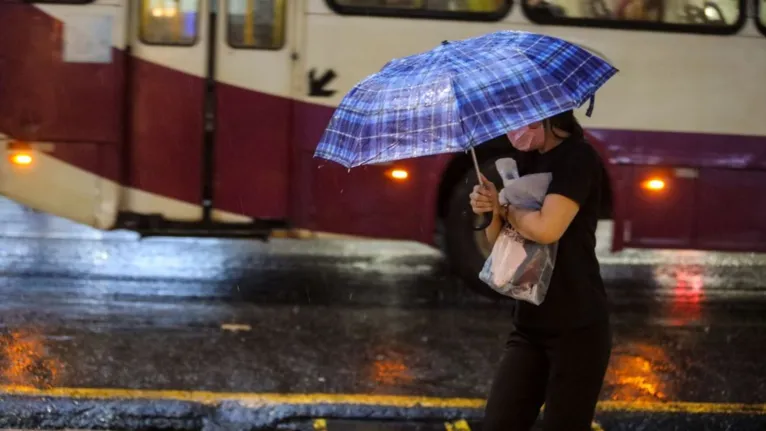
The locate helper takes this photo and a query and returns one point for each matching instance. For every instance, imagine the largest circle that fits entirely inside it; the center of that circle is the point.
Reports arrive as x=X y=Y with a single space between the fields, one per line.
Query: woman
x=557 y=352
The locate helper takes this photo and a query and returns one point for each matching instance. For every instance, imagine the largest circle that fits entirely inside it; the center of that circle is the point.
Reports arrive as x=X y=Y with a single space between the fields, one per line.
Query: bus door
x=167 y=84
x=210 y=111
x=253 y=72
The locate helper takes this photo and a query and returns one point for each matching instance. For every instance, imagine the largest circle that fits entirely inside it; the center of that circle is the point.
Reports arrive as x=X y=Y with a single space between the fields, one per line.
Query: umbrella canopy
x=458 y=95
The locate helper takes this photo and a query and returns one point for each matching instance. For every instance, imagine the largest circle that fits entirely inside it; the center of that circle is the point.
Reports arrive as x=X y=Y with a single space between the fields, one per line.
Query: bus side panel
x=732 y=208
x=366 y=202
x=620 y=181
x=702 y=173
x=617 y=182
x=54 y=87
x=309 y=121
x=73 y=193
x=362 y=201
x=662 y=218
x=61 y=92
x=251 y=154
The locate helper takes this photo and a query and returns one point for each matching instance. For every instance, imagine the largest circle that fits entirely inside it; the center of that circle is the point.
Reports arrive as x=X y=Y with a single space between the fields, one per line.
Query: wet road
x=82 y=309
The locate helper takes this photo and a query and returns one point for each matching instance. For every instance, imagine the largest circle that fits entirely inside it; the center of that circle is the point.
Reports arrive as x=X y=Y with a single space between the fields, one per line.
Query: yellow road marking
x=595 y=426
x=245 y=397
x=320 y=424
x=235 y=327
x=460 y=425
x=265 y=399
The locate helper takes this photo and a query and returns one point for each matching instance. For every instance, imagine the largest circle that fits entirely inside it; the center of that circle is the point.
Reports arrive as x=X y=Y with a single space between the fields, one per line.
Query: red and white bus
x=200 y=117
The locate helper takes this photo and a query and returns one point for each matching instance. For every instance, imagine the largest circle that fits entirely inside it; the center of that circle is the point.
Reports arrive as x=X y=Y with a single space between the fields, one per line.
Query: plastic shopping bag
x=517 y=267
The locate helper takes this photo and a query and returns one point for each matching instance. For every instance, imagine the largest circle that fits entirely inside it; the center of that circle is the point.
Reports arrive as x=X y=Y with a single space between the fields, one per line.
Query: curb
x=140 y=410
x=82 y=408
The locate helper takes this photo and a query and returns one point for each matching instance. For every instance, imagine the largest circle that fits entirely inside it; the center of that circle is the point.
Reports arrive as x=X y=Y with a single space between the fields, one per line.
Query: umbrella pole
x=484 y=219
x=476 y=166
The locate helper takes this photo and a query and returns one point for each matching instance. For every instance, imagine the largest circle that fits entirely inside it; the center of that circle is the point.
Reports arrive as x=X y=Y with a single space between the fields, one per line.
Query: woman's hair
x=567 y=122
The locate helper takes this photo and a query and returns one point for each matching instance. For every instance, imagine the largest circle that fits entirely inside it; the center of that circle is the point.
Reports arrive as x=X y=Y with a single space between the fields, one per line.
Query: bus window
x=257 y=24
x=678 y=14
x=169 y=22
x=455 y=6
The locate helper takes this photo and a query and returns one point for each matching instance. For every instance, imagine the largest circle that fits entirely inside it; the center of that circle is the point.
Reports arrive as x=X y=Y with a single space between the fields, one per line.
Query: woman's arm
x=493 y=230
x=573 y=180
x=547 y=225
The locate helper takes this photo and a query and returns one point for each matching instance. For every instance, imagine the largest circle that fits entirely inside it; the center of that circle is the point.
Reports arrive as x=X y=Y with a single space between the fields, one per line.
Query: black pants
x=563 y=370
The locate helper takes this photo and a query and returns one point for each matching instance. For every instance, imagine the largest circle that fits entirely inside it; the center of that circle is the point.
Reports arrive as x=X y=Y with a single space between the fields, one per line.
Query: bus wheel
x=467 y=249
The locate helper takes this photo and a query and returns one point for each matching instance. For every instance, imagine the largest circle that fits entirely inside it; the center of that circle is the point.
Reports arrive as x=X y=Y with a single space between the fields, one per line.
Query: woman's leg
x=518 y=390
x=578 y=364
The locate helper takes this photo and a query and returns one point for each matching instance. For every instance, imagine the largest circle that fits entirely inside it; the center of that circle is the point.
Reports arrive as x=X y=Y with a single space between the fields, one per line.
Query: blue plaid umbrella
x=459 y=95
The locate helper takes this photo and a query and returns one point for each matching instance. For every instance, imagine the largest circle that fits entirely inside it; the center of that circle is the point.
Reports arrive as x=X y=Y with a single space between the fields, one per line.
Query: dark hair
x=567 y=122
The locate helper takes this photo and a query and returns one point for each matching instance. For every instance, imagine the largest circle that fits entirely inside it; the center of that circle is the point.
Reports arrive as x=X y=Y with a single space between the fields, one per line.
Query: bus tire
x=467 y=249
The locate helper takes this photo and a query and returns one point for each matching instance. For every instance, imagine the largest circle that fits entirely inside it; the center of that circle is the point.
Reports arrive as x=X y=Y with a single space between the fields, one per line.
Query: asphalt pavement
x=103 y=330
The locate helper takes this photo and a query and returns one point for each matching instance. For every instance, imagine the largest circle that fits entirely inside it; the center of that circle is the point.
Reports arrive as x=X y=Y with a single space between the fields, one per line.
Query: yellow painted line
x=320 y=424
x=595 y=426
x=460 y=425
x=681 y=407
x=246 y=397
x=266 y=399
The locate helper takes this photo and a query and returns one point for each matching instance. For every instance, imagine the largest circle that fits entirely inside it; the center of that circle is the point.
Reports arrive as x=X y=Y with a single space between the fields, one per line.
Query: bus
x=201 y=117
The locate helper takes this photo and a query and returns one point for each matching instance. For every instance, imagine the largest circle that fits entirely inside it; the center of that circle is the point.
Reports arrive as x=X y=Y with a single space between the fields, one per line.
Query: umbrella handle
x=484 y=219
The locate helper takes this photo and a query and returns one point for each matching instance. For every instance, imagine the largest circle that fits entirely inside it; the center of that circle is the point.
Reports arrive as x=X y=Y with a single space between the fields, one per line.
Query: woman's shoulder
x=582 y=151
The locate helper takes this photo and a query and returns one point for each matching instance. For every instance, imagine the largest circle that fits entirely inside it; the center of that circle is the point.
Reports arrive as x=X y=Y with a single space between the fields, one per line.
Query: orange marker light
x=398 y=174
x=21 y=159
x=654 y=184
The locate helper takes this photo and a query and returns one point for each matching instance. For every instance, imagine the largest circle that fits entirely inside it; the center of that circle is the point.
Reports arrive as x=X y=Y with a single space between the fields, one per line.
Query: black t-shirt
x=576 y=295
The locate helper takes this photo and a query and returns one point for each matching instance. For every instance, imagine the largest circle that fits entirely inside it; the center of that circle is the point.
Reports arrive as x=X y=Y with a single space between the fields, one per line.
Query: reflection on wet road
x=83 y=309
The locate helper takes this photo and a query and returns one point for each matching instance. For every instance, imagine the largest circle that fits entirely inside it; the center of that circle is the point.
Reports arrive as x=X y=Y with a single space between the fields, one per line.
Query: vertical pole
x=278 y=32
x=209 y=116
x=177 y=22
x=146 y=16
x=249 y=34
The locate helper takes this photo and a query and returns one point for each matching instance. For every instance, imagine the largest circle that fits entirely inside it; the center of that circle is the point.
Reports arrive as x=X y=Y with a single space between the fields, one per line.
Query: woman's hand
x=484 y=198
